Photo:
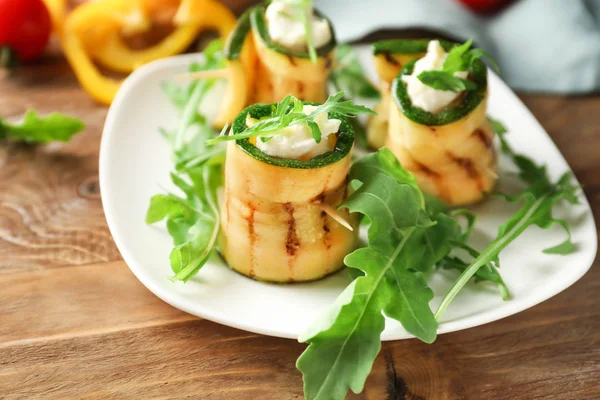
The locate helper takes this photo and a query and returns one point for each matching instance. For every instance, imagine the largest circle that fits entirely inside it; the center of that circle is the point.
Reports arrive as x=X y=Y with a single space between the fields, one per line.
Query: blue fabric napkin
x=548 y=46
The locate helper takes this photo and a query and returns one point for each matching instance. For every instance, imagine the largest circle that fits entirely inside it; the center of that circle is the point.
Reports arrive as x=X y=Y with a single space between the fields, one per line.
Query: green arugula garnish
x=292 y=114
x=538 y=200
x=403 y=243
x=460 y=58
x=36 y=129
x=193 y=220
x=349 y=77
x=408 y=238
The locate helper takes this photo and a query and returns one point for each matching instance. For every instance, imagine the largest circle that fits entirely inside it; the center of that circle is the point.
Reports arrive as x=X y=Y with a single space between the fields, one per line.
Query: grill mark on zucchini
x=251 y=237
x=479 y=134
x=425 y=169
x=437 y=178
x=320 y=199
x=391 y=60
x=469 y=167
x=291 y=60
x=328 y=63
x=292 y=243
x=300 y=89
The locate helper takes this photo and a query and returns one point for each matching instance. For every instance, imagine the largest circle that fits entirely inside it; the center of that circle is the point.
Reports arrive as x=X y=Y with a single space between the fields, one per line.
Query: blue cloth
x=550 y=46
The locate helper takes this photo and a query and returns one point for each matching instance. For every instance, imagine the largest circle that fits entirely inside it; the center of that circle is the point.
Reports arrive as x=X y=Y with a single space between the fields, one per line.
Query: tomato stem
x=8 y=58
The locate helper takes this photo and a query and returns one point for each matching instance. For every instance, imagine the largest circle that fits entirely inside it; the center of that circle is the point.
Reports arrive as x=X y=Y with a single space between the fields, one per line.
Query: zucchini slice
x=240 y=56
x=451 y=153
x=273 y=225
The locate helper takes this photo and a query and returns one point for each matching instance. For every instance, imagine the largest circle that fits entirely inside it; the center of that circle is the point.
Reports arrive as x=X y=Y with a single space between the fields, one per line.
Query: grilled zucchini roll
x=449 y=148
x=274 y=227
x=263 y=68
x=282 y=71
x=389 y=57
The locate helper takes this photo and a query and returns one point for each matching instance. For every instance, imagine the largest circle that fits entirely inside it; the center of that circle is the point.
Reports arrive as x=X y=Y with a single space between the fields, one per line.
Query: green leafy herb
x=36 y=129
x=292 y=116
x=538 y=200
x=303 y=13
x=344 y=343
x=441 y=80
x=193 y=220
x=348 y=75
x=460 y=58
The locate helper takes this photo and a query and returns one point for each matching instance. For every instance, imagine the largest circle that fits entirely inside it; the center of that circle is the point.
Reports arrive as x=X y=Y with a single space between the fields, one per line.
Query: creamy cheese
x=426 y=97
x=296 y=141
x=290 y=32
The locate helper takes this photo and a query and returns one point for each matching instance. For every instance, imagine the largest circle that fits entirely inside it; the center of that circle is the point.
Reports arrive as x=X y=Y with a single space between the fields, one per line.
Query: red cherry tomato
x=25 y=27
x=482 y=6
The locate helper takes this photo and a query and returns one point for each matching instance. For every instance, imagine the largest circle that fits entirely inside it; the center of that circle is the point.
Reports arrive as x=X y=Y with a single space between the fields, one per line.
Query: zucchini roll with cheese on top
x=438 y=127
x=280 y=48
x=389 y=57
x=282 y=188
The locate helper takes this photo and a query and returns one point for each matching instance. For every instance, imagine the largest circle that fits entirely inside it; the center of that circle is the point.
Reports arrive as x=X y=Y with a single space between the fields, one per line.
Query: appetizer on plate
x=281 y=201
x=437 y=124
x=279 y=191
x=278 y=48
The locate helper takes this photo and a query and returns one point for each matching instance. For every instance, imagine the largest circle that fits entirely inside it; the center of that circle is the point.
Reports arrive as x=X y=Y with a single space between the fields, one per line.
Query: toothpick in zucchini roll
x=285 y=175
x=389 y=57
x=438 y=127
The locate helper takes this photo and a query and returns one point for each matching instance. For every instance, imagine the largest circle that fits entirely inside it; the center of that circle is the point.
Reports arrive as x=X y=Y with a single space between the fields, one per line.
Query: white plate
x=135 y=164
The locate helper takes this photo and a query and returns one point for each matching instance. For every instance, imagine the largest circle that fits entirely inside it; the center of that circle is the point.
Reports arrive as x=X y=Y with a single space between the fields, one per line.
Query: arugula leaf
x=348 y=75
x=293 y=116
x=470 y=217
x=538 y=200
x=36 y=129
x=486 y=273
x=343 y=344
x=442 y=80
x=455 y=60
x=194 y=220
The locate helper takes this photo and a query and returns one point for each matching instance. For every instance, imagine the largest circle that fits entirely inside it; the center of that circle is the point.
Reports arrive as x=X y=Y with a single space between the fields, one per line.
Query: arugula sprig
x=408 y=236
x=348 y=75
x=289 y=112
x=404 y=242
x=460 y=58
x=36 y=129
x=193 y=220
x=538 y=200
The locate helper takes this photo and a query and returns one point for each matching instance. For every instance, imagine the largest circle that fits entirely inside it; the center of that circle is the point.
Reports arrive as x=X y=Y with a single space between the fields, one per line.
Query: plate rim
x=463 y=323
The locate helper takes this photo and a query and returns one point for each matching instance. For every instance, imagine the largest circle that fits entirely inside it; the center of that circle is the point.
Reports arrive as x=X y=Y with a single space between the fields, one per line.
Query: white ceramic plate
x=135 y=164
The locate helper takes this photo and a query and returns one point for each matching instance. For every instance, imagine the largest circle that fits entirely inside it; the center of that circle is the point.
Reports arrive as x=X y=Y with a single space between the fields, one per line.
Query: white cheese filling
x=426 y=97
x=286 y=27
x=296 y=141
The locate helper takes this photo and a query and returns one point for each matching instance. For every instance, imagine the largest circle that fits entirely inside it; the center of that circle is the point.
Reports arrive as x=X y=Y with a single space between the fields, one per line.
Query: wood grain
x=76 y=324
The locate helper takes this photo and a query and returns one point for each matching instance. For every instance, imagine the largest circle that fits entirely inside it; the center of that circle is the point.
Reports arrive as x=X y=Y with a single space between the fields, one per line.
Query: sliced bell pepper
x=57 y=9
x=92 y=32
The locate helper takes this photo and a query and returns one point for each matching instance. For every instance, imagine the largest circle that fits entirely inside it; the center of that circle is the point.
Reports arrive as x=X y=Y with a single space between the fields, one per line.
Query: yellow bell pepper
x=92 y=32
x=57 y=9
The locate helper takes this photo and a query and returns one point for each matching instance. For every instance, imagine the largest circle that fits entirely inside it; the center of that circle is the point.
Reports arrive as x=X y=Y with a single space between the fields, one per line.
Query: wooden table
x=76 y=323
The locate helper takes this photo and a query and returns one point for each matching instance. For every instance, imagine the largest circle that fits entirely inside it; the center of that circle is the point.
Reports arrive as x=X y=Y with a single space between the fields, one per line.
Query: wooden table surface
x=76 y=323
